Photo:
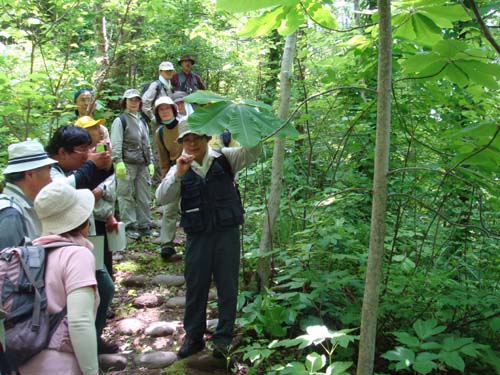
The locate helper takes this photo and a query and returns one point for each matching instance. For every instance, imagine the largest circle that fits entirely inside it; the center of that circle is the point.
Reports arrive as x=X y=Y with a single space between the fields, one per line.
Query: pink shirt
x=67 y=269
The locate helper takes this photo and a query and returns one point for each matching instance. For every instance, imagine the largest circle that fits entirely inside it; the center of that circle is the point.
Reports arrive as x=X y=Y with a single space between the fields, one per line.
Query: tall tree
x=273 y=203
x=379 y=205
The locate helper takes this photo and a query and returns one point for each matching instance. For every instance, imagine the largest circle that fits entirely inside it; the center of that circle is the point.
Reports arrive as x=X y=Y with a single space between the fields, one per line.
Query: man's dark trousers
x=217 y=254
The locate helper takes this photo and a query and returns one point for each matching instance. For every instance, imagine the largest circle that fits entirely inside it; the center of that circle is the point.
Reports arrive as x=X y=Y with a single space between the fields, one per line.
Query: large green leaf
x=248 y=121
x=315 y=362
x=262 y=25
x=245 y=6
x=321 y=15
x=426 y=31
x=453 y=360
x=427 y=328
x=456 y=75
x=403 y=27
x=424 y=363
x=444 y=16
x=293 y=19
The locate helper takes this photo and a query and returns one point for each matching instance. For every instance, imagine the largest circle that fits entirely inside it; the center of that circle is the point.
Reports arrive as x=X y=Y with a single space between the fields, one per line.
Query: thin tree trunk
x=381 y=168
x=264 y=265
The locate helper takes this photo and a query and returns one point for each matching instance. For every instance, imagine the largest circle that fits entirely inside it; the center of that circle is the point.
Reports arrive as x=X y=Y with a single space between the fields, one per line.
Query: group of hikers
x=58 y=195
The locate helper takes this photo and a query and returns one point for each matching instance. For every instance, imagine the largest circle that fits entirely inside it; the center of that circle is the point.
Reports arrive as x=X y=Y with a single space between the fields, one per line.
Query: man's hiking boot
x=190 y=347
x=106 y=347
x=167 y=252
x=220 y=351
x=148 y=232
x=133 y=234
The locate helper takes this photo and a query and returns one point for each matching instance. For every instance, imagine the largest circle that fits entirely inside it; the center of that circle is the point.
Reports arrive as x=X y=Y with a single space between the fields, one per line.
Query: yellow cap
x=87 y=122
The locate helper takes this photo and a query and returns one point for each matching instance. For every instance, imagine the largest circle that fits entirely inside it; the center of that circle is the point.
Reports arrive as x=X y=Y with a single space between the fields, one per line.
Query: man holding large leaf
x=211 y=213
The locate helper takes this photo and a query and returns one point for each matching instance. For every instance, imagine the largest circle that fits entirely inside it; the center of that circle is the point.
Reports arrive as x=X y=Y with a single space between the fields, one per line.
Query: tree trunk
x=264 y=264
x=375 y=256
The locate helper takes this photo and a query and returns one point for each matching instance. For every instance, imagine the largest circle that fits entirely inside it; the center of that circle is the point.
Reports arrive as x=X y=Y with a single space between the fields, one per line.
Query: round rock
x=130 y=326
x=153 y=360
x=147 y=300
x=176 y=302
x=135 y=281
x=159 y=329
x=168 y=280
x=112 y=362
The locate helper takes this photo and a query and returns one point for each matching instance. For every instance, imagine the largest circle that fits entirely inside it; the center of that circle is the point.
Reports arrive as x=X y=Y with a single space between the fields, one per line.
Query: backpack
x=157 y=94
x=28 y=326
x=9 y=210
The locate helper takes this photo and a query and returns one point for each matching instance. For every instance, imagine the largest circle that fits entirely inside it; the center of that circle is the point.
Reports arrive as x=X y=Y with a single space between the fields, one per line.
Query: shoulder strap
x=123 y=120
x=159 y=85
x=222 y=160
x=7 y=201
x=160 y=133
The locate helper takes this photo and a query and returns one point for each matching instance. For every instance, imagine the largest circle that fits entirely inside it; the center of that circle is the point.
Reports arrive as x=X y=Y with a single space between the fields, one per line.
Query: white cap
x=131 y=93
x=166 y=65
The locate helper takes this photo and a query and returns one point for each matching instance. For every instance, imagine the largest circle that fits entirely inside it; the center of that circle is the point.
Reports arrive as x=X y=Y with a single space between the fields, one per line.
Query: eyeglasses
x=81 y=152
x=192 y=138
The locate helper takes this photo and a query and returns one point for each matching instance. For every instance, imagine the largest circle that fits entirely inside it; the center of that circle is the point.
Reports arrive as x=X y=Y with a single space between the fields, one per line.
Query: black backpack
x=28 y=325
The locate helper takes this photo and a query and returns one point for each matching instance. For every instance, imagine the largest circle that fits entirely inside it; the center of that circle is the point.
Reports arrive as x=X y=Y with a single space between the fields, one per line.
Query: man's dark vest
x=209 y=203
x=188 y=85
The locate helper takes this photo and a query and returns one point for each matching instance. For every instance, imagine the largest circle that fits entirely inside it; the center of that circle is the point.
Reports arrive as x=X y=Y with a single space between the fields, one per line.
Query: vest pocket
x=192 y=221
x=228 y=216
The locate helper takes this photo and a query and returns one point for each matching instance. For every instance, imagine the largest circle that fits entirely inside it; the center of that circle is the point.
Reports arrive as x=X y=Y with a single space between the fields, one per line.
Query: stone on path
x=159 y=329
x=135 y=281
x=155 y=359
x=130 y=326
x=112 y=362
x=168 y=280
x=148 y=300
x=176 y=302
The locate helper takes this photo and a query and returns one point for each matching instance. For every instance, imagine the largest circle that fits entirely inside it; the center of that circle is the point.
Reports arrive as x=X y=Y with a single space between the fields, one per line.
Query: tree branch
x=314 y=96
x=483 y=26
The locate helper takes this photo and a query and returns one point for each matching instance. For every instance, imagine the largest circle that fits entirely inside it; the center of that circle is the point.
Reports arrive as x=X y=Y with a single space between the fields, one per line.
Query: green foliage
x=247 y=120
x=429 y=349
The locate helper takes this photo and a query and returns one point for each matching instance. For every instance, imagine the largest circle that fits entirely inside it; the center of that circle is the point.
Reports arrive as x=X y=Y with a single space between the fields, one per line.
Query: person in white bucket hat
x=70 y=281
x=168 y=151
x=27 y=172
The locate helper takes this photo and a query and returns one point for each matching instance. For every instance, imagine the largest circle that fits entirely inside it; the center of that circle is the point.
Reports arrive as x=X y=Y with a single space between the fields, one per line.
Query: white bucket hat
x=164 y=100
x=25 y=156
x=62 y=208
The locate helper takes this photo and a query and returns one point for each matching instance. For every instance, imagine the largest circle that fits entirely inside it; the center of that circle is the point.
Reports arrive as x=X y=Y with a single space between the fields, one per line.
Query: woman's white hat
x=25 y=156
x=62 y=208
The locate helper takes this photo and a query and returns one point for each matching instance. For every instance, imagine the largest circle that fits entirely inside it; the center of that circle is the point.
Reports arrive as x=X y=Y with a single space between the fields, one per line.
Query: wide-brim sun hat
x=62 y=208
x=131 y=93
x=184 y=130
x=186 y=58
x=25 y=156
x=87 y=122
